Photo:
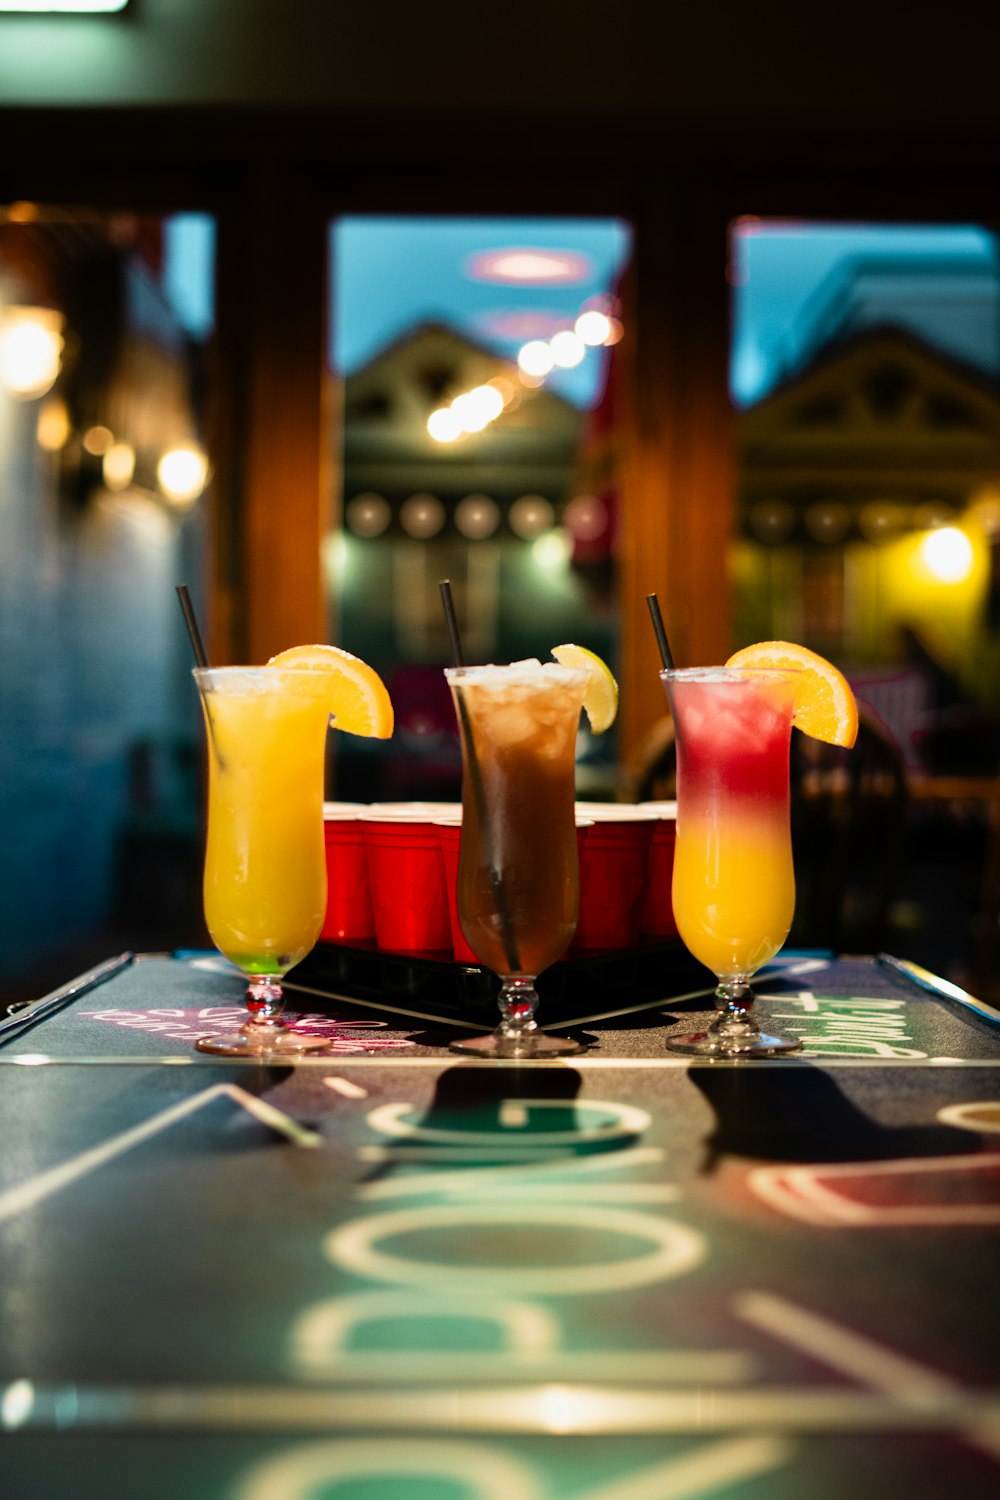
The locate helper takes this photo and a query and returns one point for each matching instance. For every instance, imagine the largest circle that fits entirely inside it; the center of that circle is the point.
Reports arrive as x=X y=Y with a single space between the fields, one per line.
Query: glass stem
x=264 y=1000
x=518 y=1001
x=734 y=1003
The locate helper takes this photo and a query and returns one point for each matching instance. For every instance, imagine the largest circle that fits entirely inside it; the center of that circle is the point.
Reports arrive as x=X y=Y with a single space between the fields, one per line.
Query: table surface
x=389 y=1272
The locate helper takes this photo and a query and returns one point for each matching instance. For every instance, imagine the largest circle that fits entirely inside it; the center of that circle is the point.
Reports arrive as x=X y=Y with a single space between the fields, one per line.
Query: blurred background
x=310 y=312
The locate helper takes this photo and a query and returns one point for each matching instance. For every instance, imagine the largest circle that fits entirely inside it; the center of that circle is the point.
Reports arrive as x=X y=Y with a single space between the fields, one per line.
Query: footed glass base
x=713 y=1044
x=263 y=1033
x=272 y=1041
x=733 y=1033
x=522 y=1049
x=518 y=1035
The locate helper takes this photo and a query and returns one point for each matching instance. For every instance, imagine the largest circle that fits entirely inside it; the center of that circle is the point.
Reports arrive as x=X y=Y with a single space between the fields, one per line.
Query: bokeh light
x=535 y=358
x=947 y=553
x=530 y=516
x=368 y=514
x=593 y=327
x=31 y=345
x=772 y=521
x=97 y=440
x=422 y=516
x=118 y=466
x=552 y=551
x=444 y=425
x=477 y=517
x=586 y=517
x=475 y=409
x=181 y=474
x=568 y=349
x=54 y=427
x=828 y=521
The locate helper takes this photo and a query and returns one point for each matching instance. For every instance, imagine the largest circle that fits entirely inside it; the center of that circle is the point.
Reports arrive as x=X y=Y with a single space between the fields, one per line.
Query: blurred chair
x=651 y=774
x=986 y=960
x=849 y=811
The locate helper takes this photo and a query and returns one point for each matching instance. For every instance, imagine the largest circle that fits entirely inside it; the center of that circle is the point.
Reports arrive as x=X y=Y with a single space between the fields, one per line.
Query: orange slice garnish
x=825 y=707
x=358 y=698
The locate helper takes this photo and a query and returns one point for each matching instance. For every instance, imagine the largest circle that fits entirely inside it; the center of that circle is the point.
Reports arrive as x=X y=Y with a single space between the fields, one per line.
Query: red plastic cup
x=449 y=832
x=613 y=875
x=658 y=907
x=406 y=877
x=416 y=811
x=348 y=895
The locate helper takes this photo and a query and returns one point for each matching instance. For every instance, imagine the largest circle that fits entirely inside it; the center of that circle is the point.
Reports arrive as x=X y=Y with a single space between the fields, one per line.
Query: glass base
x=522 y=1049
x=275 y=1042
x=734 y=1031
x=751 y=1044
x=263 y=1033
x=517 y=1036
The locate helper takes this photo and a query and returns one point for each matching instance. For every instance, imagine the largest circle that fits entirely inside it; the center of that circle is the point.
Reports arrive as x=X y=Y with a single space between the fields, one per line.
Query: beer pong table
x=391 y=1272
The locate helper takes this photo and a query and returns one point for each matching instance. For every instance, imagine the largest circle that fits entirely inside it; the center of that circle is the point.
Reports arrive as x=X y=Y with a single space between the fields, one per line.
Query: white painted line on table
x=730 y=1462
x=810 y=1193
x=502 y=1407
x=345 y=1087
x=587 y=1063
x=28 y=1194
x=903 y=1379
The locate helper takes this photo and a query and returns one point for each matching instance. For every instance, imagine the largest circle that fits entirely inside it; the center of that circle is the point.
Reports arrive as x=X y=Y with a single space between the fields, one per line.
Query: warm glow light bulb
x=489 y=399
x=535 y=357
x=422 y=516
x=593 y=327
x=98 y=440
x=475 y=409
x=586 y=517
x=947 y=553
x=552 y=551
x=118 y=466
x=30 y=351
x=53 y=425
x=368 y=514
x=444 y=425
x=567 y=349
x=181 y=474
x=530 y=516
x=477 y=517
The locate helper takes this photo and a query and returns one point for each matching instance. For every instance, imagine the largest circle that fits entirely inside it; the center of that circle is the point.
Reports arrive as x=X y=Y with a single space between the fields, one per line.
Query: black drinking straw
x=200 y=656
x=197 y=645
x=661 y=634
x=478 y=792
x=448 y=605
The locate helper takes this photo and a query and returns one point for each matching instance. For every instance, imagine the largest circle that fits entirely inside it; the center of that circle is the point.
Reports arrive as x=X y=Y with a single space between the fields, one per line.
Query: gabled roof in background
x=424 y=370
x=882 y=389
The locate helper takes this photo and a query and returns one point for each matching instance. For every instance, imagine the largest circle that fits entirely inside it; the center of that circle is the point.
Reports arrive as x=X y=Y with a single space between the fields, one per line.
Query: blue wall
x=92 y=660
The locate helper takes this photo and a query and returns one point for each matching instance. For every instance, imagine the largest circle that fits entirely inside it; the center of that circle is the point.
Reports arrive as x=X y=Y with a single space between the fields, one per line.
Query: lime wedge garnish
x=600 y=699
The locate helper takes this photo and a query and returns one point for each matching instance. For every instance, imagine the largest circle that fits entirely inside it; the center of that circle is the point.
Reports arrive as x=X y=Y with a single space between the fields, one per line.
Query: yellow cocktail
x=733 y=897
x=265 y=869
x=733 y=883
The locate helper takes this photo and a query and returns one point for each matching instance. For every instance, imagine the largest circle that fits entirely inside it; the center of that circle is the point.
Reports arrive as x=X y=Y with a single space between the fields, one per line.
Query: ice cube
x=512 y=725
